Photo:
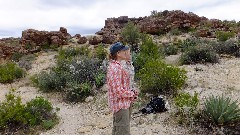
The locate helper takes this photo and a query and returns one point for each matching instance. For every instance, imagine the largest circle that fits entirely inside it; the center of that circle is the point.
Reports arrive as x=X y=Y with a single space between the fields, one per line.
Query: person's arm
x=116 y=79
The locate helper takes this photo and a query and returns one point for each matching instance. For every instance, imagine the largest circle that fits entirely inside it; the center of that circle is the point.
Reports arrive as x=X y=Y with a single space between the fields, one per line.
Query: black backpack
x=156 y=105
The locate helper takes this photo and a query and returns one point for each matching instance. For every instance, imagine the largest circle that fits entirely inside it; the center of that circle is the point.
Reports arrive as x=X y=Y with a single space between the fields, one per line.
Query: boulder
x=95 y=40
x=82 y=40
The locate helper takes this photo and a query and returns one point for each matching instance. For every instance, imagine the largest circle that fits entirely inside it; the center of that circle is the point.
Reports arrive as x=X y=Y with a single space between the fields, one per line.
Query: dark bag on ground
x=156 y=105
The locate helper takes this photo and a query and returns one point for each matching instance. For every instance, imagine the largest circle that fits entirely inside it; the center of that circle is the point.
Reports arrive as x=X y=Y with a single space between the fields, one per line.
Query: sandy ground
x=94 y=118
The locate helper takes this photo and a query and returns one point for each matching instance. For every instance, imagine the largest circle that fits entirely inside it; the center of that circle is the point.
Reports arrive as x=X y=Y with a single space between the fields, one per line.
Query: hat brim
x=125 y=48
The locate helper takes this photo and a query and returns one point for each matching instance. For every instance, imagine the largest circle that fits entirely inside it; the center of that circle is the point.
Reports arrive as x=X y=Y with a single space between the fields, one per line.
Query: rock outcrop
x=162 y=22
x=36 y=39
x=82 y=40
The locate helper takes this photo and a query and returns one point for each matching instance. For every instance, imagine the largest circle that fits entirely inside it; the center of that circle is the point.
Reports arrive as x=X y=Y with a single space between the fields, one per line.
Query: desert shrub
x=158 y=77
x=148 y=51
x=100 y=52
x=186 y=105
x=221 y=110
x=26 y=61
x=10 y=71
x=51 y=81
x=71 y=52
x=16 y=56
x=100 y=79
x=46 y=46
x=74 y=70
x=12 y=112
x=175 y=31
x=189 y=43
x=231 y=47
x=177 y=42
x=54 y=80
x=15 y=115
x=199 y=54
x=223 y=35
x=41 y=110
x=84 y=69
x=155 y=13
x=70 y=75
x=78 y=92
x=131 y=35
x=171 y=49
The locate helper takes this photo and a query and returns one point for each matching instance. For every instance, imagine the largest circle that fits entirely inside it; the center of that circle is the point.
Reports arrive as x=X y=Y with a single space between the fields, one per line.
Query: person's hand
x=135 y=94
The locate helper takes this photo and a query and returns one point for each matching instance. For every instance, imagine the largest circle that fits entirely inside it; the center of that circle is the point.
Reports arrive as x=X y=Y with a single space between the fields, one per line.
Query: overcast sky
x=88 y=16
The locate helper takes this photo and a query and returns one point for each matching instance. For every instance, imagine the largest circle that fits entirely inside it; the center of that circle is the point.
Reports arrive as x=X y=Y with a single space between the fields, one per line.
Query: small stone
x=89 y=99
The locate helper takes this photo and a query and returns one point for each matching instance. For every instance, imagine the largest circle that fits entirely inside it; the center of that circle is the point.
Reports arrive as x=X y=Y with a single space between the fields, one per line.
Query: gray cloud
x=88 y=16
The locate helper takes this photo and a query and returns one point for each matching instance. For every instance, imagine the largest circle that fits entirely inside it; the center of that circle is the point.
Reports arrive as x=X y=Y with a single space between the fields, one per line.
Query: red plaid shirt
x=120 y=96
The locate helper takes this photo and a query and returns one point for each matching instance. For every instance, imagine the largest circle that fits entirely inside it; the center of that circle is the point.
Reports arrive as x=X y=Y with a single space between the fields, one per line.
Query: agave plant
x=222 y=110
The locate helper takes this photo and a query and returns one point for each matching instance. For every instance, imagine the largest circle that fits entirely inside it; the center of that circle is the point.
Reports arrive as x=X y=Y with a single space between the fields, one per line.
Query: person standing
x=120 y=93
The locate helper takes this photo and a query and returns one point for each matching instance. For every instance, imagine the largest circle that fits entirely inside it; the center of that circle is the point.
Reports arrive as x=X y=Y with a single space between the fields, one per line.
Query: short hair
x=112 y=56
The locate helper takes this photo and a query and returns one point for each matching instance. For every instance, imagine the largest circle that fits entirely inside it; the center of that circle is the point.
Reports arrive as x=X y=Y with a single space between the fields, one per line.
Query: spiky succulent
x=221 y=110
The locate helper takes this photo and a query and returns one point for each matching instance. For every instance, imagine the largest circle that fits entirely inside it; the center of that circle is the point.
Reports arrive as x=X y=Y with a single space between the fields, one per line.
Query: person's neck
x=119 y=59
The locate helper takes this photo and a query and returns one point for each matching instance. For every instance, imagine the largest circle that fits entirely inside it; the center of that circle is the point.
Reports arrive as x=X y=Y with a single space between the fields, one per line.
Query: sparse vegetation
x=224 y=36
x=10 y=71
x=15 y=116
x=187 y=106
x=100 y=52
x=199 y=54
x=74 y=74
x=230 y=47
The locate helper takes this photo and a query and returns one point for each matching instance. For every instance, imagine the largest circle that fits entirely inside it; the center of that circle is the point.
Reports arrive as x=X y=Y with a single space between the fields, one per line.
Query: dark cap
x=118 y=46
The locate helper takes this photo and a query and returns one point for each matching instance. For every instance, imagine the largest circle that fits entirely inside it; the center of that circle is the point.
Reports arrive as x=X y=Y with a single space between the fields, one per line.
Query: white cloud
x=81 y=15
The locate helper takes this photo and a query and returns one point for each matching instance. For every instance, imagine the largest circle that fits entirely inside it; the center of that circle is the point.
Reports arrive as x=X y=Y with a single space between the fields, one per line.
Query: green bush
x=131 y=35
x=10 y=71
x=171 y=50
x=199 y=54
x=15 y=115
x=100 y=79
x=221 y=110
x=69 y=75
x=100 y=52
x=71 y=52
x=78 y=92
x=12 y=112
x=189 y=43
x=231 y=47
x=41 y=109
x=192 y=42
x=223 y=35
x=156 y=76
x=148 y=51
x=186 y=104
